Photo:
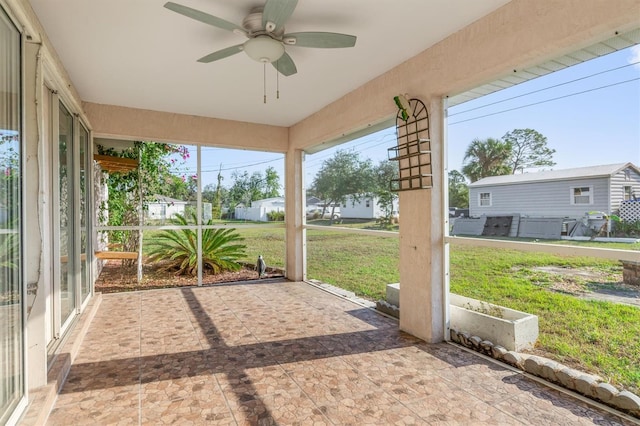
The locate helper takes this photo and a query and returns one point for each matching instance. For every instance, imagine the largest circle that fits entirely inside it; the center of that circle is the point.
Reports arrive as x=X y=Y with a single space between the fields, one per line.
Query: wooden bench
x=116 y=255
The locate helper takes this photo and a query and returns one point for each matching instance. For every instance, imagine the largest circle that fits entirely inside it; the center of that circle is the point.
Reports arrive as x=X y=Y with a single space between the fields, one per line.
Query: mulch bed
x=117 y=277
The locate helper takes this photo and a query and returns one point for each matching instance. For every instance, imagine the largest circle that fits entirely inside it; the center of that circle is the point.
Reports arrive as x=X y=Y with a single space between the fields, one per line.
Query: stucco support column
x=36 y=204
x=295 y=205
x=422 y=274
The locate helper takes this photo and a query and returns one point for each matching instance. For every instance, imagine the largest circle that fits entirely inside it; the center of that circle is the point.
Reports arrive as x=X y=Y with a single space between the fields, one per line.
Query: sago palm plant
x=179 y=248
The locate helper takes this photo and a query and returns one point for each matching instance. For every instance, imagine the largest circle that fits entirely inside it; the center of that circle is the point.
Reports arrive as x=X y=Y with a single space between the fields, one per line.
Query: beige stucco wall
x=518 y=35
x=139 y=124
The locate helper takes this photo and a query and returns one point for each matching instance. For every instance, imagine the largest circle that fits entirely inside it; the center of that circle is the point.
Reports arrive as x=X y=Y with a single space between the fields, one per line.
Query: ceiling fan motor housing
x=253 y=24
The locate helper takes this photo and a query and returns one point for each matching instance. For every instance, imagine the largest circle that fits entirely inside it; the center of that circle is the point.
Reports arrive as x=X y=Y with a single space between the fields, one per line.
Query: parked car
x=316 y=213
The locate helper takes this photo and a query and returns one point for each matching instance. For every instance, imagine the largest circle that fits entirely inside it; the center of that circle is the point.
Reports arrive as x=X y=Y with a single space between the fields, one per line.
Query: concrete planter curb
x=514 y=330
x=588 y=385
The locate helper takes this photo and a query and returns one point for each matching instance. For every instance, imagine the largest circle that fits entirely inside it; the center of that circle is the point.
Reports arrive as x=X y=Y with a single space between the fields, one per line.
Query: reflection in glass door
x=85 y=170
x=65 y=294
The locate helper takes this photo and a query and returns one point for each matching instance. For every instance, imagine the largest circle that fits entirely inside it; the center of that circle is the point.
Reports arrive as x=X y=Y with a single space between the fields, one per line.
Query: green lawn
x=600 y=337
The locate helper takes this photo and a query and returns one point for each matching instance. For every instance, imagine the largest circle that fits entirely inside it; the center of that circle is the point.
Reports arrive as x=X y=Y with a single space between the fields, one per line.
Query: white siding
x=551 y=198
x=352 y=209
x=618 y=182
x=359 y=210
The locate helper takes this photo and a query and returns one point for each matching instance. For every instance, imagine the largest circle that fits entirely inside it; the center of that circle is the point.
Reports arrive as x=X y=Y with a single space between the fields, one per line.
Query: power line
x=544 y=88
x=546 y=100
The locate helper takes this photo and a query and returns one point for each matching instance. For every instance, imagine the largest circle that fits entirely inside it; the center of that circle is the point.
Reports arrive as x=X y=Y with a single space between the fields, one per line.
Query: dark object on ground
x=261 y=267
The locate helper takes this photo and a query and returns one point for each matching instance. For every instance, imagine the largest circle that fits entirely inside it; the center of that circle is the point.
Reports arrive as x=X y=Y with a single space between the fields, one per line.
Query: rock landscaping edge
x=585 y=384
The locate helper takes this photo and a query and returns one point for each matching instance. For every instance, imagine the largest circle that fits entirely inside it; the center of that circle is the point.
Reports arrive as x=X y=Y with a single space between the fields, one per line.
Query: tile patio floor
x=286 y=353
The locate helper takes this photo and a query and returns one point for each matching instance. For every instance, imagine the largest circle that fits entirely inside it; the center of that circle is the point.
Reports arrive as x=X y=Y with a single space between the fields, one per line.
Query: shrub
x=220 y=248
x=275 y=216
x=626 y=228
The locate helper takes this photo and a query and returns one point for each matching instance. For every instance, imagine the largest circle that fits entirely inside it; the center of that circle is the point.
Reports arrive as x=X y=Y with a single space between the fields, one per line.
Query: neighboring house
x=365 y=208
x=164 y=208
x=259 y=209
x=556 y=193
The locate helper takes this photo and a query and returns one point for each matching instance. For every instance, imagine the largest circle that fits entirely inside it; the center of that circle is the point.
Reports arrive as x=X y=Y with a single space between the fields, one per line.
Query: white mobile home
x=259 y=209
x=556 y=193
x=166 y=208
x=365 y=208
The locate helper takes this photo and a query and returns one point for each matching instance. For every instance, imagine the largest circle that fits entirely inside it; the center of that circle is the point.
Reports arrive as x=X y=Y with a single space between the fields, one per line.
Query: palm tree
x=221 y=248
x=487 y=157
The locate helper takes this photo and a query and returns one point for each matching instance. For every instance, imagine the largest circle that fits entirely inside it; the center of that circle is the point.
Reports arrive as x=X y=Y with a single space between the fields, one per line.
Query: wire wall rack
x=413 y=151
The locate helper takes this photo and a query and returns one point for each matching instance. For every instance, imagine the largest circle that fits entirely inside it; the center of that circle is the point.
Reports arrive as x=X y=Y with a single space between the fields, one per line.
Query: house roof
x=267 y=200
x=165 y=199
x=552 y=175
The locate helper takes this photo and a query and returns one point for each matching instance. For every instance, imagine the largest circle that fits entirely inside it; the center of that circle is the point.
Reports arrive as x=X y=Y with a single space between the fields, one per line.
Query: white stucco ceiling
x=139 y=54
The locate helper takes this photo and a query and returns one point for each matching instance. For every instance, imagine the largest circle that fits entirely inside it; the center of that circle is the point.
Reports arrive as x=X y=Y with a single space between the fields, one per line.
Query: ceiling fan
x=264 y=28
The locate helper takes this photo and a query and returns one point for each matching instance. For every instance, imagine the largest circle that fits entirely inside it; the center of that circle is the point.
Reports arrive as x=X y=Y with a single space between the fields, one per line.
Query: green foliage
x=626 y=228
x=10 y=251
x=518 y=150
x=384 y=172
x=247 y=188
x=154 y=173
x=341 y=175
x=220 y=248
x=489 y=157
x=152 y=176
x=275 y=216
x=10 y=170
x=458 y=190
x=528 y=150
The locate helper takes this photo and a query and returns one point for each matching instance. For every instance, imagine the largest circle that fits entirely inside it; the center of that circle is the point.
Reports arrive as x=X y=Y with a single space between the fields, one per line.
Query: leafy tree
x=9 y=173
x=489 y=157
x=458 y=190
x=247 y=188
x=209 y=193
x=271 y=184
x=179 y=248
x=341 y=175
x=528 y=150
x=384 y=172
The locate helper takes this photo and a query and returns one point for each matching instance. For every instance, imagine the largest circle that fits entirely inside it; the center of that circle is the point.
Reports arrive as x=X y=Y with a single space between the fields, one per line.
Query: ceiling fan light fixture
x=263 y=49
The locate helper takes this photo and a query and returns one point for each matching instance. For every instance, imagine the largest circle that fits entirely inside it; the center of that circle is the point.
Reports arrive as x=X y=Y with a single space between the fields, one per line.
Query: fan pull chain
x=277 y=82
x=264 y=81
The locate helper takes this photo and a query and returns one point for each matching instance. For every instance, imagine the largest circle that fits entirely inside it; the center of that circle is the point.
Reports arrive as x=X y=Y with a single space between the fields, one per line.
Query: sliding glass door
x=65 y=293
x=72 y=241
x=11 y=270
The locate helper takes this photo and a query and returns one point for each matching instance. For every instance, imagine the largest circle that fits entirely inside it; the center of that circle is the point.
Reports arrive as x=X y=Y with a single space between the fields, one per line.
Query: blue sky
x=599 y=126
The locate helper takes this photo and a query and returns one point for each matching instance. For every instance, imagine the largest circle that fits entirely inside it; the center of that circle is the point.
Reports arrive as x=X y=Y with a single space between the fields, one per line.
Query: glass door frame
x=59 y=326
x=83 y=299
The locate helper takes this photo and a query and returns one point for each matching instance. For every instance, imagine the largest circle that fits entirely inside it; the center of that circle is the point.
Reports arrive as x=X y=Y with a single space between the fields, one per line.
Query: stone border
x=585 y=384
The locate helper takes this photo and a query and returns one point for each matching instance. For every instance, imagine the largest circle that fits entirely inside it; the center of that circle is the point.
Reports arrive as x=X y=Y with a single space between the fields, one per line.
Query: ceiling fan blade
x=319 y=39
x=204 y=17
x=221 y=54
x=276 y=13
x=285 y=65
